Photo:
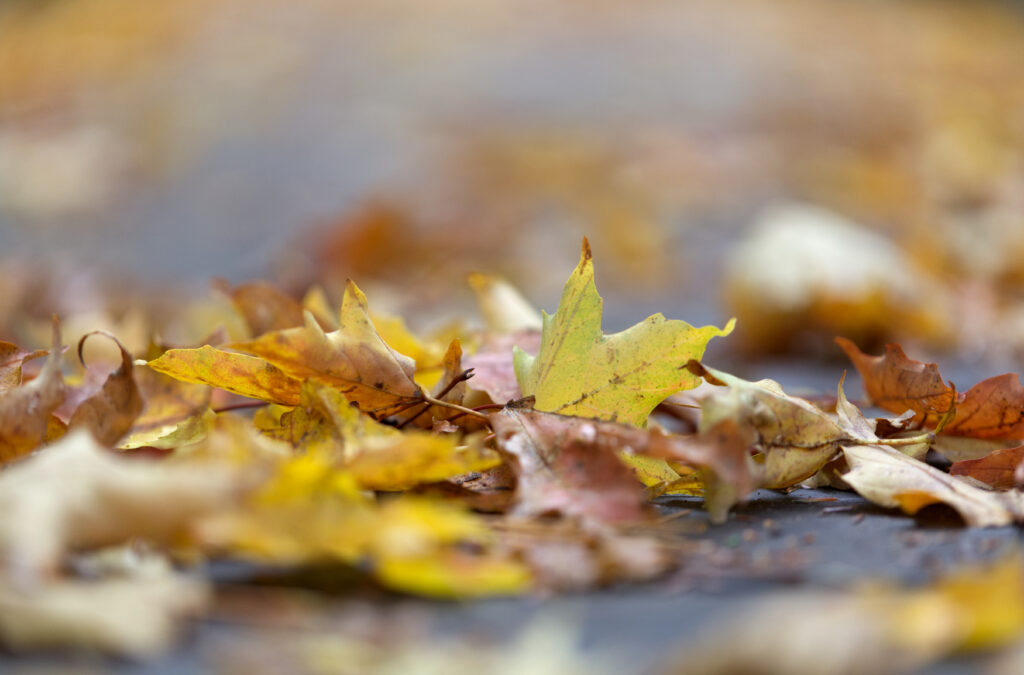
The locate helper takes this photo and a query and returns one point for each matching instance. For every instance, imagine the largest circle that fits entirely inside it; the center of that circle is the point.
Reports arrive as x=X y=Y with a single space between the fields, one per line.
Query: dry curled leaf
x=892 y=479
x=111 y=412
x=569 y=465
x=897 y=383
x=26 y=412
x=354 y=359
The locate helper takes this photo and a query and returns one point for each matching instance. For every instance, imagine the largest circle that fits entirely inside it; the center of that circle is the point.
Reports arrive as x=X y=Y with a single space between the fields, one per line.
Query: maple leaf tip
x=585 y=253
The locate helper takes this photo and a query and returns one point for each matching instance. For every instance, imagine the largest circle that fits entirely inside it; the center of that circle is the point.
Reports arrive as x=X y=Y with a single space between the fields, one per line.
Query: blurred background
x=814 y=167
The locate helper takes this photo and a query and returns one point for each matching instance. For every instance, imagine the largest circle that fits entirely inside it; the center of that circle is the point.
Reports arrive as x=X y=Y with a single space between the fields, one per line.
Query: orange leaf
x=996 y=469
x=993 y=408
x=897 y=383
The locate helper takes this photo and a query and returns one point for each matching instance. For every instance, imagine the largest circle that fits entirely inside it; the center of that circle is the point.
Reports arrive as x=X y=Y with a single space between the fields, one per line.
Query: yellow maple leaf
x=621 y=377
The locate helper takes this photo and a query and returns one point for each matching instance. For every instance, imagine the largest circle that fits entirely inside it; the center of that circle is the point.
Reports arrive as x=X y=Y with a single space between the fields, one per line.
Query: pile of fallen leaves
x=516 y=458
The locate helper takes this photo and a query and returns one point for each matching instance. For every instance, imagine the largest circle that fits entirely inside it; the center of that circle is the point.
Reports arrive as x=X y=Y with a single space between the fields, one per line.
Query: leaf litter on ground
x=528 y=466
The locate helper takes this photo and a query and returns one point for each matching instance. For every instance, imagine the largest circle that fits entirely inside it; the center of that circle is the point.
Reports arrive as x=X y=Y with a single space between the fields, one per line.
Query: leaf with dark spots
x=110 y=413
x=622 y=377
x=570 y=465
x=997 y=470
x=26 y=412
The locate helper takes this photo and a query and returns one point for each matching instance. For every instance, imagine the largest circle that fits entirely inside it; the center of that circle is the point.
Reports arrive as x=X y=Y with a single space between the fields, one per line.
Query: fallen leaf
x=76 y=495
x=503 y=307
x=240 y=374
x=167 y=403
x=377 y=456
x=570 y=466
x=876 y=628
x=794 y=437
x=897 y=383
x=622 y=377
x=12 y=358
x=110 y=413
x=991 y=409
x=354 y=359
x=492 y=363
x=26 y=412
x=263 y=306
x=996 y=470
x=891 y=479
x=138 y=614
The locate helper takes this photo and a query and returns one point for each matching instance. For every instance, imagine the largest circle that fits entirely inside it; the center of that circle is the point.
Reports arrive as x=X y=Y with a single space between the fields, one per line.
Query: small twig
x=454 y=406
x=489 y=406
x=461 y=377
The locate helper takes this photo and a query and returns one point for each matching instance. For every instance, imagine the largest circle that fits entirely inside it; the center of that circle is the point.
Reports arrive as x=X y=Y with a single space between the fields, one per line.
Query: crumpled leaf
x=111 y=412
x=897 y=383
x=796 y=438
x=997 y=470
x=622 y=377
x=354 y=359
x=427 y=353
x=26 y=412
x=238 y=373
x=168 y=405
x=137 y=614
x=378 y=456
x=570 y=465
x=993 y=409
x=12 y=358
x=891 y=479
x=77 y=495
x=492 y=363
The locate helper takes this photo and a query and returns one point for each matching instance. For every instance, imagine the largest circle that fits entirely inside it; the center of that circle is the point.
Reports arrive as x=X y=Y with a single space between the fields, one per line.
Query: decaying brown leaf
x=897 y=383
x=26 y=412
x=568 y=465
x=111 y=412
x=997 y=470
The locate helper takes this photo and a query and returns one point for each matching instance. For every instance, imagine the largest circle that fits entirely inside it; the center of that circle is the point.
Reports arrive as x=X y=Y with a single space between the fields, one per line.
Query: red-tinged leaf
x=992 y=409
x=897 y=383
x=568 y=465
x=997 y=470
x=493 y=372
